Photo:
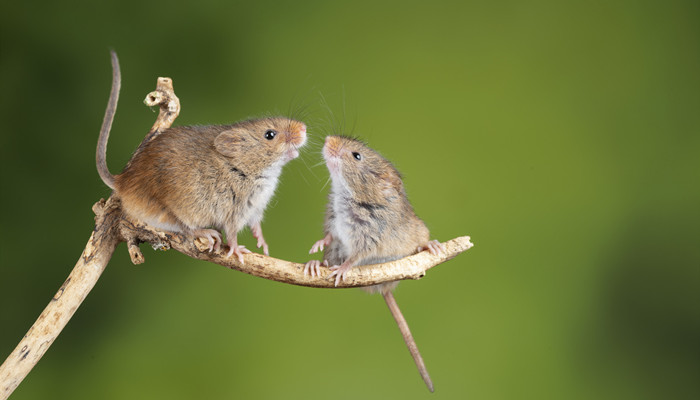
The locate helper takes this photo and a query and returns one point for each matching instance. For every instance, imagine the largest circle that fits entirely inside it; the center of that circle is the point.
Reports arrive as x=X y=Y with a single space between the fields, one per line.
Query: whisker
x=301 y=172
x=308 y=168
x=325 y=184
x=318 y=164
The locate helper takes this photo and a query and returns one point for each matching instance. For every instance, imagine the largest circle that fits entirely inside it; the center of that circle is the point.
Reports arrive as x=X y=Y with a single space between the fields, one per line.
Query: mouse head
x=263 y=142
x=361 y=170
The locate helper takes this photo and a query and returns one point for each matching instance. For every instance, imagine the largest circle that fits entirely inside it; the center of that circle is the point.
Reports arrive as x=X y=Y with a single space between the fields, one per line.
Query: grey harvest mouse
x=369 y=220
x=203 y=179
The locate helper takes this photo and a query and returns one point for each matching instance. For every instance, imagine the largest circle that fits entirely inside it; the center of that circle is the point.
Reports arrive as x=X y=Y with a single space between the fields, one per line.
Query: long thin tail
x=408 y=338
x=101 y=157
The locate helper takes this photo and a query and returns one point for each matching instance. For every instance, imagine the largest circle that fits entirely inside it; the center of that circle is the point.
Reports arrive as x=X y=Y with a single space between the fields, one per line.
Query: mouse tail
x=408 y=338
x=101 y=157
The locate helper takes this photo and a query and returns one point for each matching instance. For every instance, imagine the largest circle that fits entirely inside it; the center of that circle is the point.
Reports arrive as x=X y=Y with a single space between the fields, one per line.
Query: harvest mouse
x=191 y=179
x=369 y=220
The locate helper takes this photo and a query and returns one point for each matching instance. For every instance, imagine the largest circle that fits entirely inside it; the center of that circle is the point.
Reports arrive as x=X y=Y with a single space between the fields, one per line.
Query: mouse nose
x=332 y=146
x=296 y=133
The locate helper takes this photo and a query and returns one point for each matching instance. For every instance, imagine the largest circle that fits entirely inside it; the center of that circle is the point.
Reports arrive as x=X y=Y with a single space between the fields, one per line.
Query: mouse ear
x=392 y=181
x=229 y=143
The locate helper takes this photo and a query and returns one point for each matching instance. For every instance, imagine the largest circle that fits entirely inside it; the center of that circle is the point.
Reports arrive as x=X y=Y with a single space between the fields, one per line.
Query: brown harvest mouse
x=203 y=179
x=369 y=220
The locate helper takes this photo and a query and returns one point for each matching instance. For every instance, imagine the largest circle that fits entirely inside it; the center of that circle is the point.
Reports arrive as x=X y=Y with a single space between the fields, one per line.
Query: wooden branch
x=412 y=267
x=112 y=226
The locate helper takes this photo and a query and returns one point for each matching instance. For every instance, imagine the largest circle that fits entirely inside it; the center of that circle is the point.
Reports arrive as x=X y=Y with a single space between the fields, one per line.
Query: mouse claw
x=313 y=268
x=433 y=246
x=238 y=250
x=339 y=271
x=266 y=249
x=320 y=244
x=212 y=236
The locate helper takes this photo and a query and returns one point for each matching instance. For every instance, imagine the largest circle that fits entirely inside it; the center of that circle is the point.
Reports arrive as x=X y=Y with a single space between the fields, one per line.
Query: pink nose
x=302 y=129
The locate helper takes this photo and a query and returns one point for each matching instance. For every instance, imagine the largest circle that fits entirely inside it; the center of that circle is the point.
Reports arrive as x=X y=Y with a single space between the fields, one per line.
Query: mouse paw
x=266 y=248
x=433 y=246
x=238 y=250
x=313 y=268
x=257 y=233
x=339 y=271
x=320 y=244
x=212 y=236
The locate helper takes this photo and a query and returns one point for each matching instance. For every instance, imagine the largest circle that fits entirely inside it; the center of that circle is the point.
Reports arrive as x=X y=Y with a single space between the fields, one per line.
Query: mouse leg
x=211 y=235
x=319 y=245
x=257 y=233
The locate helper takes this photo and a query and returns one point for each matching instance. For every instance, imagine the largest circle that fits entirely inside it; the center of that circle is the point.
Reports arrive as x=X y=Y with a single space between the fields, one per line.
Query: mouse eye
x=357 y=155
x=270 y=134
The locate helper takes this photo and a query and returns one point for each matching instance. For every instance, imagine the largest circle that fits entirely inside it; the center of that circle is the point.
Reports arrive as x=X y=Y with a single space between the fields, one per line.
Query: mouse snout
x=296 y=134
x=332 y=146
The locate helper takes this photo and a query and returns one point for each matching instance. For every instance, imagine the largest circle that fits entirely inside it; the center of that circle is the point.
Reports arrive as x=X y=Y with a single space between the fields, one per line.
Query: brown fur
x=198 y=177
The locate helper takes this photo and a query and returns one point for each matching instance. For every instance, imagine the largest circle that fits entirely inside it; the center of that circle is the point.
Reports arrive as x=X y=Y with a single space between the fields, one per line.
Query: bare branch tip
x=99 y=208
x=153 y=99
x=165 y=84
x=135 y=252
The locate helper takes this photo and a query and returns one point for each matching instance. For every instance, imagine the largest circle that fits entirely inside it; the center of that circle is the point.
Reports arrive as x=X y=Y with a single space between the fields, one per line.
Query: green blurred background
x=562 y=136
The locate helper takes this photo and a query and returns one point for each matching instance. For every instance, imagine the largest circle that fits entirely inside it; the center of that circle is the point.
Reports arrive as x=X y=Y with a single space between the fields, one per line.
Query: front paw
x=266 y=249
x=320 y=244
x=257 y=233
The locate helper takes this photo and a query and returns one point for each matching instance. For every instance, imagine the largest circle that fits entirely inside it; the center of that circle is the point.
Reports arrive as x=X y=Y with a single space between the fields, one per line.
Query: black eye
x=270 y=134
x=357 y=155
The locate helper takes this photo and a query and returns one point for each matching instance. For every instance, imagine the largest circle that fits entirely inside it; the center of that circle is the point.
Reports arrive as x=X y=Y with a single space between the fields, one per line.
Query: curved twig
x=412 y=267
x=163 y=97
